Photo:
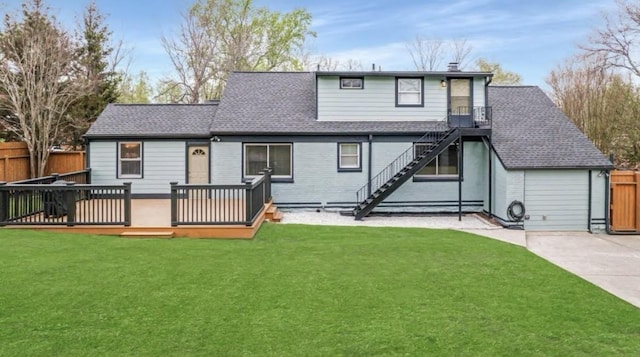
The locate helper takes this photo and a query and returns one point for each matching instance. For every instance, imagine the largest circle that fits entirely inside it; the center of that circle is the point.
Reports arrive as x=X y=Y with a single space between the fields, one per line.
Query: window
x=444 y=165
x=409 y=92
x=351 y=83
x=130 y=160
x=257 y=157
x=349 y=158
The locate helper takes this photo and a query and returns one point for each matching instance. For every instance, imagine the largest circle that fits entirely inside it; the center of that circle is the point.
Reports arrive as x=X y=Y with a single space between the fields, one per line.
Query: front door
x=460 y=106
x=198 y=164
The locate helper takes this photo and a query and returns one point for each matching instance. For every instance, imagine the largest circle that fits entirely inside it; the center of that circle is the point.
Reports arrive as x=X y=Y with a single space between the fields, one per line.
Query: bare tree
x=221 y=36
x=192 y=55
x=618 y=42
x=40 y=78
x=426 y=53
x=460 y=50
x=603 y=105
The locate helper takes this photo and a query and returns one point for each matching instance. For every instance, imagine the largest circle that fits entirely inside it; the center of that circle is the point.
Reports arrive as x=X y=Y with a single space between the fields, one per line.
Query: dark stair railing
x=400 y=170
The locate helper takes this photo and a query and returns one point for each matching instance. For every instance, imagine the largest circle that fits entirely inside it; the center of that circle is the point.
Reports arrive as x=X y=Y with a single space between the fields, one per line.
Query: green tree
x=221 y=36
x=500 y=76
x=135 y=90
x=97 y=62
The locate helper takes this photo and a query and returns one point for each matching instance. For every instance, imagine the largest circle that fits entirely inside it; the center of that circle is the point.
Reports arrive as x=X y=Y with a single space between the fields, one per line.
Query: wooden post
x=127 y=204
x=6 y=169
x=4 y=203
x=636 y=179
x=174 y=204
x=69 y=194
x=248 y=202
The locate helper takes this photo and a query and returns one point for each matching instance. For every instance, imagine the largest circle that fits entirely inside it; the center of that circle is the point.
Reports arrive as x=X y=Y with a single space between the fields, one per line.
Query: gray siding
x=317 y=181
x=478 y=92
x=226 y=163
x=438 y=196
x=162 y=162
x=499 y=190
x=556 y=199
x=377 y=101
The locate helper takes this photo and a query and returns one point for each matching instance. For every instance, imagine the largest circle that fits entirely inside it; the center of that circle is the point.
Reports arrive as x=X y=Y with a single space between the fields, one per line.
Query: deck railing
x=470 y=117
x=66 y=204
x=79 y=177
x=220 y=204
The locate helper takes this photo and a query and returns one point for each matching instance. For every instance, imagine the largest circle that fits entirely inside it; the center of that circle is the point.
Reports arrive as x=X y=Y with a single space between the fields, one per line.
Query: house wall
x=317 y=182
x=162 y=162
x=433 y=195
x=377 y=100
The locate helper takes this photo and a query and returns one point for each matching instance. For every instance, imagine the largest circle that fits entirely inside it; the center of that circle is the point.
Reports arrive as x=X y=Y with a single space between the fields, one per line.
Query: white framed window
x=444 y=165
x=130 y=159
x=351 y=83
x=278 y=157
x=409 y=92
x=349 y=157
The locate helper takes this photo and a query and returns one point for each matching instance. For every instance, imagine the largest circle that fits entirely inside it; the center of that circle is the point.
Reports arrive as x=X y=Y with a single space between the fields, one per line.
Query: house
x=367 y=141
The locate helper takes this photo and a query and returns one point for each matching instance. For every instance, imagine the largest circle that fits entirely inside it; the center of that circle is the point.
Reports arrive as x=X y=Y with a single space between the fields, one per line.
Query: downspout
x=486 y=105
x=369 y=164
x=589 y=210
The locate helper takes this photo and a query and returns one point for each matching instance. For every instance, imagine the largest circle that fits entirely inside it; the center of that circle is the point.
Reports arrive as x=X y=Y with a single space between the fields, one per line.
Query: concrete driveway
x=610 y=262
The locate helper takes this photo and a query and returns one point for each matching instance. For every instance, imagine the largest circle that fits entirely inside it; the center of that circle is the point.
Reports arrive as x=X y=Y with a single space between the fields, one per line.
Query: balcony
x=470 y=117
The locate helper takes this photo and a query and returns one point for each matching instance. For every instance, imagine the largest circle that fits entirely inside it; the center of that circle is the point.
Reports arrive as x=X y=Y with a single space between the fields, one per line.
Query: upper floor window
x=409 y=92
x=130 y=160
x=444 y=165
x=258 y=157
x=351 y=83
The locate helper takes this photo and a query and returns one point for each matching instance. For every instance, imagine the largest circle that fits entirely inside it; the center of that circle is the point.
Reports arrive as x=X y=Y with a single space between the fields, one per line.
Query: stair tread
x=147 y=234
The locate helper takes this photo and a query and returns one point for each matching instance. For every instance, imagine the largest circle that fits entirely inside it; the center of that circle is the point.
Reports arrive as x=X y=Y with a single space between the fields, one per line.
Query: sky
x=530 y=38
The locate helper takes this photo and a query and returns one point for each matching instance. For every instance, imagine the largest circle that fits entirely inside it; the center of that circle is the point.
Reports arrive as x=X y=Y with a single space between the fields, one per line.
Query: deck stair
x=273 y=214
x=401 y=170
x=147 y=234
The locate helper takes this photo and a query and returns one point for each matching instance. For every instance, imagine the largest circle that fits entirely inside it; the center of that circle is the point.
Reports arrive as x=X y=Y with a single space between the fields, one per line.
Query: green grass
x=300 y=290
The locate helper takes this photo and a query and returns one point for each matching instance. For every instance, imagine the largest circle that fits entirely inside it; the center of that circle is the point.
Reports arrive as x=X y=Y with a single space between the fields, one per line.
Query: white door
x=198 y=164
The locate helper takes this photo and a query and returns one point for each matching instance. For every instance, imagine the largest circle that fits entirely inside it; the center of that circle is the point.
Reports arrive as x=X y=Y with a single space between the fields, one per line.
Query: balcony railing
x=220 y=204
x=470 y=117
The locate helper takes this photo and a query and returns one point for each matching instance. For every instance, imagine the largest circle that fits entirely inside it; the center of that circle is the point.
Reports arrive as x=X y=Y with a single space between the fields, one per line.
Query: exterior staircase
x=400 y=170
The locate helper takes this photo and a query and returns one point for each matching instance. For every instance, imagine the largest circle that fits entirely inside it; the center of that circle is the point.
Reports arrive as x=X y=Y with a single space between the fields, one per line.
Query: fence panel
x=15 y=162
x=625 y=201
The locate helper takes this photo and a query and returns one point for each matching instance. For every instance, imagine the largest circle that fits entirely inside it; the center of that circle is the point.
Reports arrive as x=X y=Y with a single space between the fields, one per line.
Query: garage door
x=556 y=199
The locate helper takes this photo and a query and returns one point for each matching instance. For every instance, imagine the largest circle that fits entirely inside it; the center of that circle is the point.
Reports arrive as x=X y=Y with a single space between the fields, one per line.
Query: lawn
x=300 y=290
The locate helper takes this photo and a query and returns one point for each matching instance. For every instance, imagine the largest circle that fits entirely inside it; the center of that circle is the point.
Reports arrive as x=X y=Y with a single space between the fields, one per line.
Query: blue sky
x=527 y=37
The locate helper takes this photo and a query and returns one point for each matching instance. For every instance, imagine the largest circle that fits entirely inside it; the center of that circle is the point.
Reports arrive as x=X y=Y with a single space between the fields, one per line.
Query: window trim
x=359 y=155
x=421 y=104
x=120 y=159
x=438 y=177
x=352 y=88
x=274 y=178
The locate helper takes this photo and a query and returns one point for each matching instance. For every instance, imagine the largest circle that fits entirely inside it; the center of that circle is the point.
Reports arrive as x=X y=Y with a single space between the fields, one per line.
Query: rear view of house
x=367 y=142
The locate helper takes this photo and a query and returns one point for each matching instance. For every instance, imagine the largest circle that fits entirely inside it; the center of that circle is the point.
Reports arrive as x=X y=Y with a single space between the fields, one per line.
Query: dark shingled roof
x=154 y=120
x=285 y=102
x=529 y=131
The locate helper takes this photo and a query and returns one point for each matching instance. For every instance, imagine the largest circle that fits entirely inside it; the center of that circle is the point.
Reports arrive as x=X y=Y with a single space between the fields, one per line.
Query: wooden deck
x=152 y=218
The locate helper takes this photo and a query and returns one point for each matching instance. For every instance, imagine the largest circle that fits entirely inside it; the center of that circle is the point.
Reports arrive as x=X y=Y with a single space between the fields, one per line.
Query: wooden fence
x=15 y=163
x=625 y=201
